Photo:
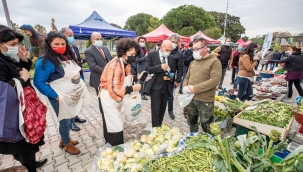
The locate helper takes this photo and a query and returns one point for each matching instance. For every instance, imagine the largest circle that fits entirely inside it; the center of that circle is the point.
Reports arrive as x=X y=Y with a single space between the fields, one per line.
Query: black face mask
x=130 y=59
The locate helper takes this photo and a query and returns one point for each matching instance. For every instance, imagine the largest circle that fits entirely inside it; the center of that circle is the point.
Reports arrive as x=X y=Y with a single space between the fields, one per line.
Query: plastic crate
x=298 y=100
x=267 y=75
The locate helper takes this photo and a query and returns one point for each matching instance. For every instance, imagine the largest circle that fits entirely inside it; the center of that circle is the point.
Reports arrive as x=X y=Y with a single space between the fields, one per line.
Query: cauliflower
x=168 y=135
x=114 y=155
x=146 y=146
x=165 y=127
x=152 y=135
x=143 y=138
x=156 y=148
x=122 y=159
x=103 y=153
x=108 y=150
x=150 y=152
x=137 y=156
x=130 y=152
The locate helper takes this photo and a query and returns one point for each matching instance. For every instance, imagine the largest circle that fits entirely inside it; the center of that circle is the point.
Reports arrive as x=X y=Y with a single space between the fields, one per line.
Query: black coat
x=178 y=58
x=153 y=66
x=188 y=57
x=292 y=63
x=9 y=70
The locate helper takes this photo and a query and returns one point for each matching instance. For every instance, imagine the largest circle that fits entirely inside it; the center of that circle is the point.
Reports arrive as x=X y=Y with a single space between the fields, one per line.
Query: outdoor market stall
x=167 y=149
x=241 y=42
x=162 y=33
x=208 y=39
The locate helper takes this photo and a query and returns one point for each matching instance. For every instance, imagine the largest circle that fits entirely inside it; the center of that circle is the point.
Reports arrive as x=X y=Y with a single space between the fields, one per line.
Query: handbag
x=34 y=115
x=9 y=114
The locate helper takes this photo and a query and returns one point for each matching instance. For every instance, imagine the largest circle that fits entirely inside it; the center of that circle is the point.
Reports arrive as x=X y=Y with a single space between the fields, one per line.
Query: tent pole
x=8 y=20
x=225 y=18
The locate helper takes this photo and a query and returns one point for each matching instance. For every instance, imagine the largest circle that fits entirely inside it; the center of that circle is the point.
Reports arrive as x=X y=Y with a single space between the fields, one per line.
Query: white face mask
x=165 y=54
x=174 y=46
x=227 y=43
x=98 y=43
x=196 y=55
x=142 y=44
x=11 y=52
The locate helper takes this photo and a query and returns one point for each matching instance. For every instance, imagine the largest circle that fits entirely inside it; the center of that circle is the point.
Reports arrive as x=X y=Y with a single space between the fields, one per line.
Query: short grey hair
x=63 y=30
x=176 y=36
x=93 y=34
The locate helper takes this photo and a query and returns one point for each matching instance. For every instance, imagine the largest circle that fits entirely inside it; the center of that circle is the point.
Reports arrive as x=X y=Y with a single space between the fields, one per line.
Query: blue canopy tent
x=95 y=23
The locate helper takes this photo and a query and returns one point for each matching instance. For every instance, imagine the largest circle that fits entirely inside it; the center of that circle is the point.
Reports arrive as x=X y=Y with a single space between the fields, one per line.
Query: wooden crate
x=262 y=128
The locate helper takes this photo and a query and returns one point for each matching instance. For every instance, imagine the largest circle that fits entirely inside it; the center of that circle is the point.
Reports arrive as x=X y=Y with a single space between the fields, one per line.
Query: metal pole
x=8 y=20
x=225 y=18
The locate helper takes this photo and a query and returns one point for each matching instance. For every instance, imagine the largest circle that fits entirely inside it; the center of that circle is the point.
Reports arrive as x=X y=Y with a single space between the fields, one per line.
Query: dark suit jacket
x=79 y=59
x=96 y=63
x=153 y=66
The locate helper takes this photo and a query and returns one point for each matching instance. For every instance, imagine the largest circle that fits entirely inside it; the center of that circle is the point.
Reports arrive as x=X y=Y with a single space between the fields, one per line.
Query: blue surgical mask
x=71 y=40
x=165 y=54
x=240 y=48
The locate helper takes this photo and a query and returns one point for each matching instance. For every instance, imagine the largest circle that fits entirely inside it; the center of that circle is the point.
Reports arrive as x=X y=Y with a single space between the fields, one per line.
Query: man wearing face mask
x=202 y=78
x=162 y=69
x=141 y=63
x=224 y=53
x=70 y=37
x=177 y=56
x=97 y=56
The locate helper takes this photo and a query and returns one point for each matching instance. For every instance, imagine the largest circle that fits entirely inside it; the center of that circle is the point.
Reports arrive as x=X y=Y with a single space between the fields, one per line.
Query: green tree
x=153 y=24
x=213 y=32
x=115 y=25
x=188 y=19
x=259 y=40
x=15 y=26
x=139 y=23
x=245 y=38
x=41 y=29
x=234 y=28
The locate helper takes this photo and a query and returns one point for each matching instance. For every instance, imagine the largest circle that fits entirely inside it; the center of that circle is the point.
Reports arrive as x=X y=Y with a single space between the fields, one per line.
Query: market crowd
x=157 y=73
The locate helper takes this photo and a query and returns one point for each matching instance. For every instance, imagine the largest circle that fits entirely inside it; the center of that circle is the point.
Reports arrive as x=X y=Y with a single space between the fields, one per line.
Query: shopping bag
x=9 y=114
x=185 y=99
x=34 y=115
x=132 y=106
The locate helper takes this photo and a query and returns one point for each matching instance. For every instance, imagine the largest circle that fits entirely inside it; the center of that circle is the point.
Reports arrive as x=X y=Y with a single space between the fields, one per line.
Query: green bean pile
x=193 y=160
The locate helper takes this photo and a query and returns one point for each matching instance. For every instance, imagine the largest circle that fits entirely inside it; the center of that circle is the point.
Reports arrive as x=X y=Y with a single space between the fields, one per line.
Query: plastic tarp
x=241 y=42
x=95 y=23
x=208 y=39
x=162 y=33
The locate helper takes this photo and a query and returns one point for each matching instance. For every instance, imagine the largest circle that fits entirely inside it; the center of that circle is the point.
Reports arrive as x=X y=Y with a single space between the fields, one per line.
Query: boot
x=70 y=148
x=61 y=144
x=205 y=125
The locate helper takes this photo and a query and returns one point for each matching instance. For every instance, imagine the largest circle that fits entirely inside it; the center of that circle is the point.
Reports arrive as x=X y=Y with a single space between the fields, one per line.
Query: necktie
x=100 y=50
x=163 y=60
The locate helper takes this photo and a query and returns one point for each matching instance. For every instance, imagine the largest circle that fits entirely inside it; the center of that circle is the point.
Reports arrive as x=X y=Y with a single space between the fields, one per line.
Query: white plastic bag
x=132 y=106
x=185 y=99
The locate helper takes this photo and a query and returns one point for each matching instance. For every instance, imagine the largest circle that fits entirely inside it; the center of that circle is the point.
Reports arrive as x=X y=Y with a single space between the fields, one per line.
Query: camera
x=168 y=76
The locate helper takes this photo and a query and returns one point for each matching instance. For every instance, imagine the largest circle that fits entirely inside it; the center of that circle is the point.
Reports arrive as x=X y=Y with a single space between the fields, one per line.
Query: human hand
x=191 y=89
x=136 y=87
x=24 y=74
x=22 y=53
x=177 y=84
x=164 y=66
x=185 y=90
x=57 y=98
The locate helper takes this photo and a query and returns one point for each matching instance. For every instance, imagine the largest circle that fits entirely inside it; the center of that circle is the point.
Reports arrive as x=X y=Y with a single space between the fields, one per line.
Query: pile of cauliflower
x=159 y=140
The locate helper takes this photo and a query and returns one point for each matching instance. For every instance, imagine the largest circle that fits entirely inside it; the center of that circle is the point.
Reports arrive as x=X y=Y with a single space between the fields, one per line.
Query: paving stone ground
x=91 y=134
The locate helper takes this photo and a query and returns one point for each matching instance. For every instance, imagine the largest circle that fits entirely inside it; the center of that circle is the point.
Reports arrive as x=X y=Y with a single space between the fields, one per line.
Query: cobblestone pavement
x=90 y=136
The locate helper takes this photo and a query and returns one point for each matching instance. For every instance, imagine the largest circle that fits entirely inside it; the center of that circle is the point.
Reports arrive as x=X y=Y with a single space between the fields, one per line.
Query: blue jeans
x=184 y=75
x=245 y=89
x=272 y=65
x=170 y=101
x=236 y=80
x=64 y=124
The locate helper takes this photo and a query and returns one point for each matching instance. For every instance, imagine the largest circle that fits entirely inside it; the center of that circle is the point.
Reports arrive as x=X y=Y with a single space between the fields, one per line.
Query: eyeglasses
x=198 y=49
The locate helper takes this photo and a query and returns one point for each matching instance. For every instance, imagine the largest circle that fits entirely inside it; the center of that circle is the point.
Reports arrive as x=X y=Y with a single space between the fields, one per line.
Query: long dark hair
x=8 y=34
x=54 y=57
x=249 y=50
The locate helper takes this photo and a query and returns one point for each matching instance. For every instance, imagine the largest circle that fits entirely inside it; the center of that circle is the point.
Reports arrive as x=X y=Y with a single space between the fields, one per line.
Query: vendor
x=294 y=67
x=57 y=76
x=114 y=79
x=247 y=64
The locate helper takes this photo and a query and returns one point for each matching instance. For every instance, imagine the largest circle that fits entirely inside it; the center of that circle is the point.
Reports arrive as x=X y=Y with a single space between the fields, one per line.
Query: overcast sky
x=257 y=16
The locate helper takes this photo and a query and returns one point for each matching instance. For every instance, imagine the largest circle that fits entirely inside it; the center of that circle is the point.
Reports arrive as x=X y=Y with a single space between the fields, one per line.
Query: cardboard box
x=262 y=128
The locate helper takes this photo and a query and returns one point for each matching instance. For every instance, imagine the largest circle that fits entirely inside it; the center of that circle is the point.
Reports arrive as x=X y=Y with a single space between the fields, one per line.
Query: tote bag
x=9 y=114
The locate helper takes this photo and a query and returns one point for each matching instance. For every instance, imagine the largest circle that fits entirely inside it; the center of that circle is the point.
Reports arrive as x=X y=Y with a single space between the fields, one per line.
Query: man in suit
x=162 y=69
x=97 y=56
x=70 y=37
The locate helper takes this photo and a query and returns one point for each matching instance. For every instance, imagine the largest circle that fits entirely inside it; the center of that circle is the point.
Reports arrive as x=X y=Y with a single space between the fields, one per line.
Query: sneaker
x=288 y=101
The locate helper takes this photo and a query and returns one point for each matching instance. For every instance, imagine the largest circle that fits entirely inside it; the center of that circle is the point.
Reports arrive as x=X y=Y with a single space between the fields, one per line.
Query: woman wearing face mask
x=294 y=67
x=36 y=40
x=246 y=72
x=114 y=78
x=57 y=76
x=14 y=64
x=234 y=65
